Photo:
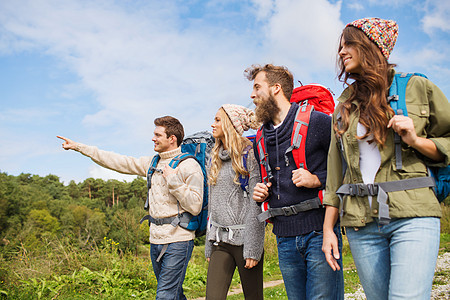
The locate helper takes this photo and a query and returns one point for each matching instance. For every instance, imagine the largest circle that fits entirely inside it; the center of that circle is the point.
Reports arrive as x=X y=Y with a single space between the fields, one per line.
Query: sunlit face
x=162 y=142
x=266 y=106
x=261 y=89
x=217 y=129
x=350 y=58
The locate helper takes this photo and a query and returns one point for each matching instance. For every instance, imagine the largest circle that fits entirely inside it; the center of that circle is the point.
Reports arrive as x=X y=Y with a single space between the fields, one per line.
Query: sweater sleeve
x=254 y=231
x=116 y=162
x=186 y=185
x=208 y=248
x=322 y=128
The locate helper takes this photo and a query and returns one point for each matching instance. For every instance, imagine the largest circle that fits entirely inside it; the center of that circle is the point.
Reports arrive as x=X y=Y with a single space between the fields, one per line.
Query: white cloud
x=392 y=3
x=437 y=16
x=264 y=8
x=21 y=115
x=139 y=63
x=304 y=35
x=355 y=6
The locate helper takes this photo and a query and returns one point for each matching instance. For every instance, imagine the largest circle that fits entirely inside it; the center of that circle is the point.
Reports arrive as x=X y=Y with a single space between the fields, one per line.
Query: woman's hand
x=330 y=249
x=250 y=263
x=261 y=191
x=330 y=245
x=404 y=126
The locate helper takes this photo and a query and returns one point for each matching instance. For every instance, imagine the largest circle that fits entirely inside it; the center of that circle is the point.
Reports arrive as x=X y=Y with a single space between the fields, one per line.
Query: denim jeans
x=171 y=269
x=305 y=271
x=396 y=261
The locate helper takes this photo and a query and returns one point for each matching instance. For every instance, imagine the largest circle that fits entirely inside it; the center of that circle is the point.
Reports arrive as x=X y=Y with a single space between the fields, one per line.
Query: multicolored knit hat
x=384 y=33
x=241 y=117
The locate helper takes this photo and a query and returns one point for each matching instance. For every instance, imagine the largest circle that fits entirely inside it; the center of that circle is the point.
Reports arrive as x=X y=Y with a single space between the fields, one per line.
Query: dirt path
x=238 y=290
x=440 y=291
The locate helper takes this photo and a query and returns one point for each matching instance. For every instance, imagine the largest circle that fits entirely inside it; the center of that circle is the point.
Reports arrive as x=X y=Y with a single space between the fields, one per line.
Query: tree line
x=34 y=208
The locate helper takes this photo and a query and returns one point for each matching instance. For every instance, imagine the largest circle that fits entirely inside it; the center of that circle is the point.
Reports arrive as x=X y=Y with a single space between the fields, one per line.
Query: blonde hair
x=235 y=144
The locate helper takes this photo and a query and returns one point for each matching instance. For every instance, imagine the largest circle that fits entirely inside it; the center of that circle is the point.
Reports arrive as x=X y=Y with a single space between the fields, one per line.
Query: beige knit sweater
x=186 y=186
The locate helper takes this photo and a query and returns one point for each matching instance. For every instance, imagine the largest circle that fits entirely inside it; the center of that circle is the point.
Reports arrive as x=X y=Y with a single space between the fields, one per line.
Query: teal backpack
x=196 y=146
x=396 y=99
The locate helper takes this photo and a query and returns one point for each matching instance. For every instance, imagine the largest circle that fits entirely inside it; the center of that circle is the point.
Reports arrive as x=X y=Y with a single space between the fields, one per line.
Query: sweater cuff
x=253 y=254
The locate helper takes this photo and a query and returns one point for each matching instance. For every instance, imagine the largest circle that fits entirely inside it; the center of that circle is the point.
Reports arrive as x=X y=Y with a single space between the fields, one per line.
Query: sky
x=99 y=72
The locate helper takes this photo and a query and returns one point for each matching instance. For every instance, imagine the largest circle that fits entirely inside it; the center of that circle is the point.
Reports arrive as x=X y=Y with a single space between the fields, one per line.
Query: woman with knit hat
x=234 y=238
x=393 y=232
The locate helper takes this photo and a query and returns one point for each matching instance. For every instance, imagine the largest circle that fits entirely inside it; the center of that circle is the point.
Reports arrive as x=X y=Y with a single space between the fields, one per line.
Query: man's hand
x=168 y=171
x=68 y=143
x=302 y=177
x=250 y=263
x=261 y=191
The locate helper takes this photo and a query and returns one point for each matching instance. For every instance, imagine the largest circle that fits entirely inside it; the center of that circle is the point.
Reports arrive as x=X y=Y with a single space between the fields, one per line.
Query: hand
x=330 y=249
x=208 y=259
x=261 y=191
x=250 y=263
x=168 y=171
x=302 y=177
x=404 y=126
x=68 y=143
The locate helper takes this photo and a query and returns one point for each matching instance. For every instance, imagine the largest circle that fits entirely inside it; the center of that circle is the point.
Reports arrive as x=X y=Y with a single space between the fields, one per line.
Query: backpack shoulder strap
x=150 y=172
x=266 y=172
x=298 y=137
x=179 y=158
x=397 y=92
x=397 y=101
x=243 y=180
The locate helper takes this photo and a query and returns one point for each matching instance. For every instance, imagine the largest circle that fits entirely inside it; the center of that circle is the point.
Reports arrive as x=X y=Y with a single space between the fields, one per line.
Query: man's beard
x=266 y=110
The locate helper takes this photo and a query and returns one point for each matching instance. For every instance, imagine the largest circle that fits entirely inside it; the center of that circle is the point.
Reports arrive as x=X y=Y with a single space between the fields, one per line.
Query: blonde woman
x=234 y=238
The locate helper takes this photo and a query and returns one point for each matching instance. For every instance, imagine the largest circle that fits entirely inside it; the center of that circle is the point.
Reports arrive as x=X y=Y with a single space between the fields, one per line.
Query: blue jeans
x=305 y=271
x=171 y=269
x=396 y=261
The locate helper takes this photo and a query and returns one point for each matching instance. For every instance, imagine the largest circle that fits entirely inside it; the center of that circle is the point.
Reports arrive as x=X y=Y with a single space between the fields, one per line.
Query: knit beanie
x=382 y=32
x=241 y=117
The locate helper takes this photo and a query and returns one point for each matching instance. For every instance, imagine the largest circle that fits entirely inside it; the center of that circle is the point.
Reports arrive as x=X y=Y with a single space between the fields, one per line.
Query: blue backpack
x=396 y=99
x=196 y=146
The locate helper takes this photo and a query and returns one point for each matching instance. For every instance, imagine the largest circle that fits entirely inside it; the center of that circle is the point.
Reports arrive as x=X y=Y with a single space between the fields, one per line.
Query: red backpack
x=309 y=97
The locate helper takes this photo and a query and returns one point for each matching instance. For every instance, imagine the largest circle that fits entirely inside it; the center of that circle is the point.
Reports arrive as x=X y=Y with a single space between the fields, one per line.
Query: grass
x=62 y=271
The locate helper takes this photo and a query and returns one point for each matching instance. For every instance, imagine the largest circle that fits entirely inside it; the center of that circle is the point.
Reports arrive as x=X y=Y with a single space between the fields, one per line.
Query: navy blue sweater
x=283 y=190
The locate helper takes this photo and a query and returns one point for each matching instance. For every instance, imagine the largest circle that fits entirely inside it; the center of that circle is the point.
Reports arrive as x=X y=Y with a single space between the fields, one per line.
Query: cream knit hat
x=241 y=117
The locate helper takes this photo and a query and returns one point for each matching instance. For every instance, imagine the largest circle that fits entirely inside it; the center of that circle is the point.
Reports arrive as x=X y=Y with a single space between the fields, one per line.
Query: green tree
x=41 y=221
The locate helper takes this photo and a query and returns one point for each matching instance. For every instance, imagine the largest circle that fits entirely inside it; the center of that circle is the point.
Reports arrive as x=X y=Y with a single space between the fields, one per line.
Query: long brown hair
x=235 y=144
x=370 y=87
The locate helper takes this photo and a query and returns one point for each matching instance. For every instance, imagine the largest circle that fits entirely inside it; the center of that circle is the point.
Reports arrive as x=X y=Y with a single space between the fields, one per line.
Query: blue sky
x=99 y=72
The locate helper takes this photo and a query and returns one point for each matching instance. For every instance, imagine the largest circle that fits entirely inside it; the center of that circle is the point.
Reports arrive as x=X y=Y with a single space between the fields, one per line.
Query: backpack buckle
x=289 y=211
x=392 y=98
x=372 y=189
x=357 y=190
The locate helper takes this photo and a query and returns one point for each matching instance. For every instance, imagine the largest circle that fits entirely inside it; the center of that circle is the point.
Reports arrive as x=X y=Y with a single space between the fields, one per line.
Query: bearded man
x=305 y=271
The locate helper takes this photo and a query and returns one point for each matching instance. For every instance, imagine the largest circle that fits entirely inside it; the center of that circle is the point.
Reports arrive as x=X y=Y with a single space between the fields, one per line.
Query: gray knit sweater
x=228 y=206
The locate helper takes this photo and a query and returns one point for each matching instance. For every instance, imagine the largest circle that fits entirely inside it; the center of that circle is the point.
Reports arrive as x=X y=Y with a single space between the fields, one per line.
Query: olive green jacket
x=430 y=111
